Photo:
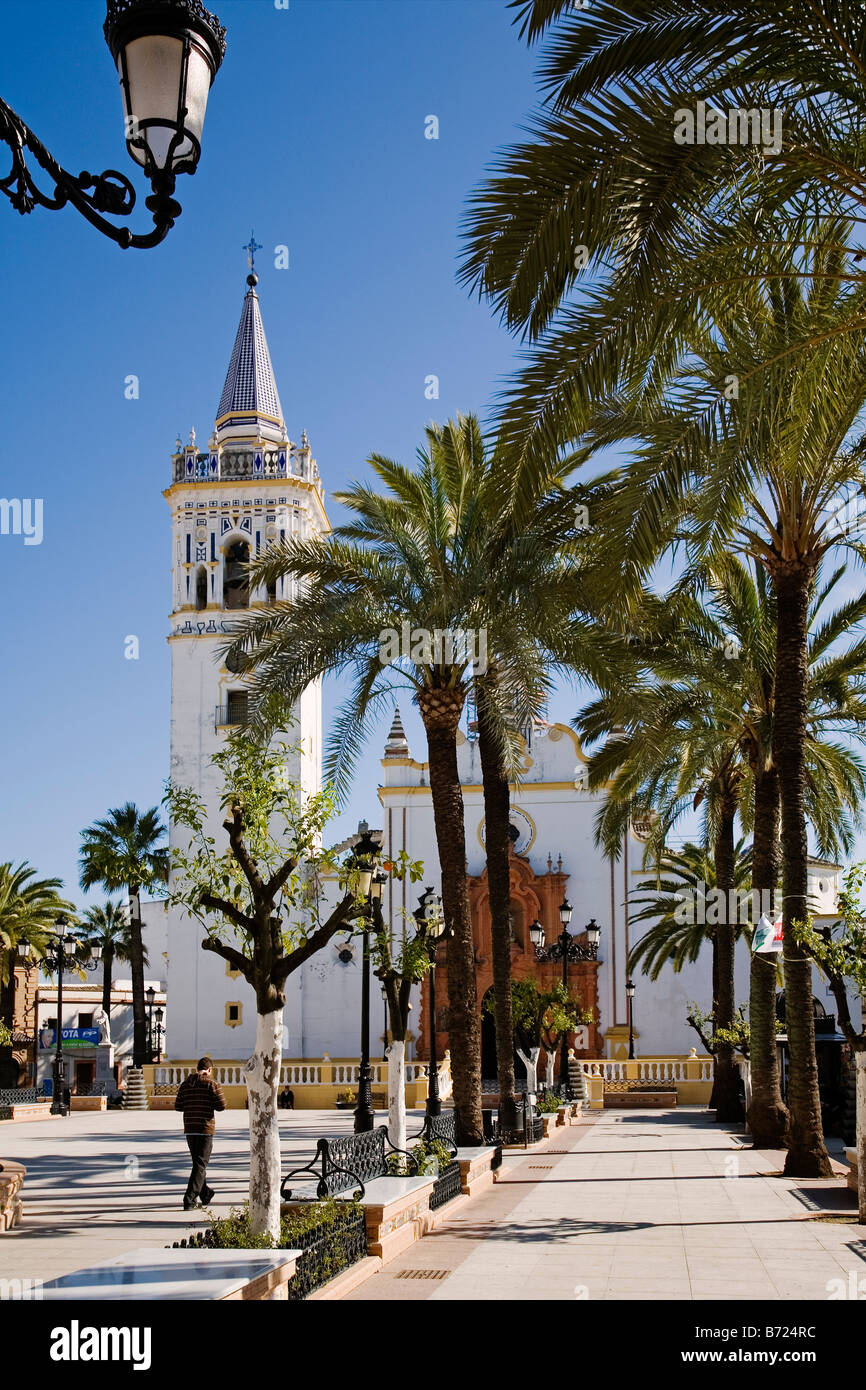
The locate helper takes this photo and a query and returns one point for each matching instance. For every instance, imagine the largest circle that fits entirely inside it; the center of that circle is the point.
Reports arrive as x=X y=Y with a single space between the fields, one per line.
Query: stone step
x=136 y=1091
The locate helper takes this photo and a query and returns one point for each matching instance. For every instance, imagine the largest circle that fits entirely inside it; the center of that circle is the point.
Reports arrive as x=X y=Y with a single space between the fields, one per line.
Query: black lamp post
x=370 y=884
x=150 y=995
x=167 y=53
x=629 y=990
x=429 y=917
x=384 y=1024
x=565 y=948
x=158 y=1032
x=62 y=951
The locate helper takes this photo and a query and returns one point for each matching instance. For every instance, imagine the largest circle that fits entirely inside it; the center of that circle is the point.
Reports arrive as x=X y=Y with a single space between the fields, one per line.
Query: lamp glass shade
x=377 y=886
x=565 y=911
x=96 y=951
x=62 y=926
x=151 y=995
x=365 y=878
x=159 y=1015
x=629 y=988
x=160 y=87
x=593 y=932
x=536 y=933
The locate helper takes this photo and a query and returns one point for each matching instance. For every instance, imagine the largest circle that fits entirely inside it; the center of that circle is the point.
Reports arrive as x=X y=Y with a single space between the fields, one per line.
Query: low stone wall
x=640 y=1100
x=11 y=1182
x=87 y=1102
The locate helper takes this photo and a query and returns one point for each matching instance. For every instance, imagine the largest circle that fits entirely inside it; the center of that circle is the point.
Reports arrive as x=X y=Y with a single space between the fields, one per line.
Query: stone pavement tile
x=734 y=1288
x=651 y=1284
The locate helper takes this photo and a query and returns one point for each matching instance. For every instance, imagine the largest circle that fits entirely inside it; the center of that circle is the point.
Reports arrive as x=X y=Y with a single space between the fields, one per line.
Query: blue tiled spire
x=250 y=403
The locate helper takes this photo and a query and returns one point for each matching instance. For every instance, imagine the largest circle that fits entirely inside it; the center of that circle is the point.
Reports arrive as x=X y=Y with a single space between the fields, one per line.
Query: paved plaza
x=637 y=1205
x=629 y=1205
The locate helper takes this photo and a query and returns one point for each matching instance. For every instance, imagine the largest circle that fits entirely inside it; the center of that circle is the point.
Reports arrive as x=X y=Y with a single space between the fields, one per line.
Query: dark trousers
x=200 y=1148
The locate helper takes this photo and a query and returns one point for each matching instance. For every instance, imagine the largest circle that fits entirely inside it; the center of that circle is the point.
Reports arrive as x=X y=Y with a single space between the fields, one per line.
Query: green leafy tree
x=540 y=1017
x=124 y=850
x=258 y=902
x=843 y=958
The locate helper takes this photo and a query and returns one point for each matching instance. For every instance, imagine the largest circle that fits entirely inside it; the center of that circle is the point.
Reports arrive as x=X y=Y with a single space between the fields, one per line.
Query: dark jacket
x=198 y=1099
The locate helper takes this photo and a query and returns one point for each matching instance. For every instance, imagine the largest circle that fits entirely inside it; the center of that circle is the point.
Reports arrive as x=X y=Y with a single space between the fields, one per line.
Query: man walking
x=198 y=1097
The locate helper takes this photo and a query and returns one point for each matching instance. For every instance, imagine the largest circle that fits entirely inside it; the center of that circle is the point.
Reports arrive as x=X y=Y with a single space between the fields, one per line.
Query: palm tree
x=123 y=851
x=29 y=907
x=601 y=236
x=109 y=925
x=434 y=553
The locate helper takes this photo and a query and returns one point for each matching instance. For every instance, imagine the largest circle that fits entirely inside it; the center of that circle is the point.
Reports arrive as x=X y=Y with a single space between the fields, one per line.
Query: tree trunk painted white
x=860 y=1064
x=262 y=1075
x=746 y=1073
x=530 y=1061
x=548 y=1068
x=397 y=1093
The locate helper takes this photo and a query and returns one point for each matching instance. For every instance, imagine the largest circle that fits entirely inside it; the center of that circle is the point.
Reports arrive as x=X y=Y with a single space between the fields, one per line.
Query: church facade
x=250 y=487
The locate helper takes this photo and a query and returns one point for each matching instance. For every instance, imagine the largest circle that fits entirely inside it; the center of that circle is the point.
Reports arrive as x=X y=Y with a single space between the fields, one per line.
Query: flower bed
x=330 y=1234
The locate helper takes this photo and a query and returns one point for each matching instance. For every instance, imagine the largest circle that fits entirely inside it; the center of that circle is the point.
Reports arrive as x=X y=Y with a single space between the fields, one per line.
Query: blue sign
x=71 y=1037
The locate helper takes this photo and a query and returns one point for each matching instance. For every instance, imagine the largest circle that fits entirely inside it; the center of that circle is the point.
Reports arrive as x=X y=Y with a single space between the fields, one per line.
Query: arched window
x=201 y=588
x=236 y=588
x=272 y=591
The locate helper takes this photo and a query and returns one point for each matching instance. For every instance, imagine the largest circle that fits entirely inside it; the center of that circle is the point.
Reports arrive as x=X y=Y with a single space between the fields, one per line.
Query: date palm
x=109 y=926
x=601 y=236
x=436 y=552
x=124 y=850
x=29 y=908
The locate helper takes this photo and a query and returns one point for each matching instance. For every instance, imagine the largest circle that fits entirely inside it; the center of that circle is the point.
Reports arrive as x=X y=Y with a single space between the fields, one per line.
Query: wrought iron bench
x=442 y=1128
x=350 y=1161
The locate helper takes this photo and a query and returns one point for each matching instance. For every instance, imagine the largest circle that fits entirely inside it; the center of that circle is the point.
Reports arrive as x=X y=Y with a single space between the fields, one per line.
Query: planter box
x=87 y=1103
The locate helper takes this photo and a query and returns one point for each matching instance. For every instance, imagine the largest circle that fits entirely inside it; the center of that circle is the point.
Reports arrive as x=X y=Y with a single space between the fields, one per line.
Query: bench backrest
x=352 y=1156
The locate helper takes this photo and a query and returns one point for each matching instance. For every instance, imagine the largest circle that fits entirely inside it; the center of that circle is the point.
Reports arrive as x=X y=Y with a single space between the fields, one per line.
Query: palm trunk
x=712 y=933
x=262 y=1075
x=440 y=711
x=767 y=1114
x=726 y=1088
x=807 y=1155
x=136 y=970
x=7 y=991
x=107 y=962
x=497 y=824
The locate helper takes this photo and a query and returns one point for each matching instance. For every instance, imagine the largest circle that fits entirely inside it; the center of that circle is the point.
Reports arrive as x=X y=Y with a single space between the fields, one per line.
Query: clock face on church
x=522 y=830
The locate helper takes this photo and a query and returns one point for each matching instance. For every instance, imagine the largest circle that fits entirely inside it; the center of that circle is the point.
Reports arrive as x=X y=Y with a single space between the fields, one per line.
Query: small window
x=232 y=974
x=234 y=1015
x=272 y=591
x=236 y=588
x=85 y=1020
x=237 y=707
x=201 y=588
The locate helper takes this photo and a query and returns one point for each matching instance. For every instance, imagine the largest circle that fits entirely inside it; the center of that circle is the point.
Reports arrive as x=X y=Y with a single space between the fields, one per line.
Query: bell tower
x=251 y=487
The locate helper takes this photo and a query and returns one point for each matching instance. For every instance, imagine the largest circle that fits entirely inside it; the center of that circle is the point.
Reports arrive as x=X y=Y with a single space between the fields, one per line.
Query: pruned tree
x=262 y=894
x=540 y=1016
x=845 y=959
x=400 y=964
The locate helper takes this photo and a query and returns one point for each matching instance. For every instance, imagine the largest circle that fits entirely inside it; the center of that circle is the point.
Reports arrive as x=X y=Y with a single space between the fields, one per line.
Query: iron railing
x=348 y=1162
x=446 y=1187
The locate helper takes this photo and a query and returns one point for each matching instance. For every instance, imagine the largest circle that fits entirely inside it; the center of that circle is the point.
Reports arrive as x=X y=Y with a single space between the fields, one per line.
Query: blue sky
x=315 y=137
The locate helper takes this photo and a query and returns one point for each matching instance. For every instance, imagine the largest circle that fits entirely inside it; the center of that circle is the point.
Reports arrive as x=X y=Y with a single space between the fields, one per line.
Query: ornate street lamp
x=167 y=53
x=565 y=948
x=370 y=883
x=64 y=953
x=629 y=990
x=158 y=1032
x=428 y=915
x=150 y=996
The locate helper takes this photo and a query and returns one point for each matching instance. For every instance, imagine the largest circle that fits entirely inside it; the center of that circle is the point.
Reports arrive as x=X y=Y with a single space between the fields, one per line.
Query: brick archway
x=532 y=896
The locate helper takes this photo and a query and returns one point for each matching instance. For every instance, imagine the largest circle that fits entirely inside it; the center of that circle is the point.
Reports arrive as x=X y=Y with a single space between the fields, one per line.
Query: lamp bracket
x=92 y=194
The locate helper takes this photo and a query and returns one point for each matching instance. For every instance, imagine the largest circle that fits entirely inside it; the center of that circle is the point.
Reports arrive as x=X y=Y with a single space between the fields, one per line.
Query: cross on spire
x=251 y=248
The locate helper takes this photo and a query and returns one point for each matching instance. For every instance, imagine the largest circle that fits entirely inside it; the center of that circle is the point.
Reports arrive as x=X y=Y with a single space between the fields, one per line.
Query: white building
x=251 y=486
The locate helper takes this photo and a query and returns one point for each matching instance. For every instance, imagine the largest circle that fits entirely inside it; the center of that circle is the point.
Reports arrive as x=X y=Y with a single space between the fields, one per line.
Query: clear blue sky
x=315 y=137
